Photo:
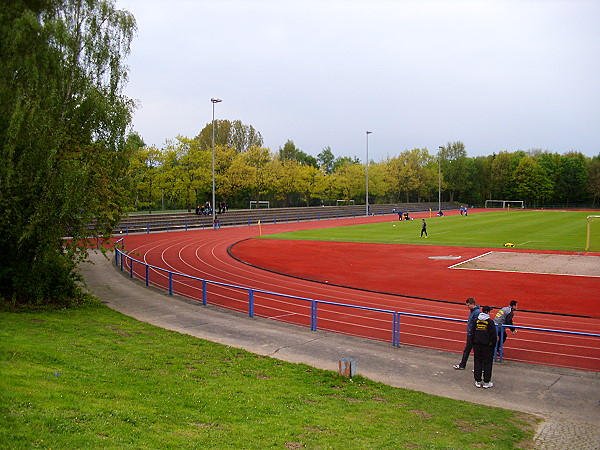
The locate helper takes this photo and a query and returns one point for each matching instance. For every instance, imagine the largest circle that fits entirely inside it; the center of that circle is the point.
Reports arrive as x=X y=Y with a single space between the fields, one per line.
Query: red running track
x=204 y=254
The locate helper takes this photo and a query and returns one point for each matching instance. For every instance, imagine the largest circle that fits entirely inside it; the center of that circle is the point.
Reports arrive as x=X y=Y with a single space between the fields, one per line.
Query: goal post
x=592 y=241
x=257 y=204
x=504 y=204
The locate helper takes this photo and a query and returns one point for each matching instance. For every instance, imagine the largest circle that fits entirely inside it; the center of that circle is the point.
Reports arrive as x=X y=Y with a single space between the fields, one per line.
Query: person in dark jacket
x=472 y=305
x=484 y=343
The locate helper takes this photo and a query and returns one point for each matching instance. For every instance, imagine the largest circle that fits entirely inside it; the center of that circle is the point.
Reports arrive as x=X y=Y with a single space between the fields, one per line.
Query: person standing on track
x=423 y=228
x=505 y=317
x=472 y=305
x=484 y=343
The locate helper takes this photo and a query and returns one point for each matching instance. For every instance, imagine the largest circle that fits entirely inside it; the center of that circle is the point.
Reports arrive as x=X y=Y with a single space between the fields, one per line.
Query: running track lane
x=203 y=254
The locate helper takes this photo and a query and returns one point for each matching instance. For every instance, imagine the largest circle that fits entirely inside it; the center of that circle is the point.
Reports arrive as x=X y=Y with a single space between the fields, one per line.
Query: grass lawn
x=541 y=230
x=93 y=378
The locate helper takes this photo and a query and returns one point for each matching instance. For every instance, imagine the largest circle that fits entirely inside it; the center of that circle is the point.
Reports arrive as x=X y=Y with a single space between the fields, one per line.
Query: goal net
x=260 y=204
x=592 y=241
x=504 y=204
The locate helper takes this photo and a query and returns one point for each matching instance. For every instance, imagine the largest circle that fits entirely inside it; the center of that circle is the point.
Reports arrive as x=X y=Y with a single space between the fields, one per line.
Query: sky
x=495 y=75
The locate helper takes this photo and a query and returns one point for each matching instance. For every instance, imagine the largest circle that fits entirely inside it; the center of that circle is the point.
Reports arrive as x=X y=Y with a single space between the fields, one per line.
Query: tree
x=594 y=179
x=326 y=160
x=453 y=159
x=144 y=168
x=290 y=152
x=530 y=182
x=230 y=134
x=63 y=160
x=573 y=179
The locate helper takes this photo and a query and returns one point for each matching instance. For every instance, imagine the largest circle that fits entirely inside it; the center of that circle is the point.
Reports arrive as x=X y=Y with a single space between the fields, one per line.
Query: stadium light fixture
x=214 y=101
x=367 y=175
x=439 y=180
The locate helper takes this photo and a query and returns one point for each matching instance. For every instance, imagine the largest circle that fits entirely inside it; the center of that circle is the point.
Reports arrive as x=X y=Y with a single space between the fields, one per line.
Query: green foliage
x=229 y=134
x=62 y=125
x=92 y=378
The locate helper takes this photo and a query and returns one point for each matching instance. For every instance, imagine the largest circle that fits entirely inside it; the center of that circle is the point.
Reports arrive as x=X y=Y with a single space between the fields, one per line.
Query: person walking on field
x=470 y=327
x=484 y=343
x=505 y=317
x=423 y=228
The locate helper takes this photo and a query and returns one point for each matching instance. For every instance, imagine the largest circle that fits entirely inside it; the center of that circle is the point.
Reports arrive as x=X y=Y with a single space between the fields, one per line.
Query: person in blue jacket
x=472 y=305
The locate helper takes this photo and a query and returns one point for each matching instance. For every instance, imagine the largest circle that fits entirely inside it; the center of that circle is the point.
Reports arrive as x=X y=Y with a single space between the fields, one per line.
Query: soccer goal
x=504 y=204
x=257 y=204
x=592 y=241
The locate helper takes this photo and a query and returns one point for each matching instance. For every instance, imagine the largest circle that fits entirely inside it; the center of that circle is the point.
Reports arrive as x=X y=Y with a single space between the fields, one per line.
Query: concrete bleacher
x=159 y=221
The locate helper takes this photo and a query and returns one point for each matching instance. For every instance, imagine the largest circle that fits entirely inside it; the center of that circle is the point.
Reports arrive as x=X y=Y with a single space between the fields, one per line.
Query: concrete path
x=567 y=400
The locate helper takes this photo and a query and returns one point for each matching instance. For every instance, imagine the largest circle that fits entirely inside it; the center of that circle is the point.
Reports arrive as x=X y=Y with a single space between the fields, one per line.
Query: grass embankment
x=540 y=230
x=93 y=378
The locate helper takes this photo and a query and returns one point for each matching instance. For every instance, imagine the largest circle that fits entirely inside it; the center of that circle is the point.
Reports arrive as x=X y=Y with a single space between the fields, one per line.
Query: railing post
x=130 y=268
x=313 y=315
x=147 y=228
x=396 y=330
x=170 y=283
x=203 y=292
x=147 y=275
x=122 y=258
x=250 y=302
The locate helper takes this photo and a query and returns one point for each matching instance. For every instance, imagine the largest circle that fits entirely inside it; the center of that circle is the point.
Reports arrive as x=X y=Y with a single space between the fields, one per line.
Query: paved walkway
x=567 y=400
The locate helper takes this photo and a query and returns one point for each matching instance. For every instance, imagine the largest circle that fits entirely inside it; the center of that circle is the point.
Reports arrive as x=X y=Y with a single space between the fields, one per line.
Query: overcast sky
x=495 y=75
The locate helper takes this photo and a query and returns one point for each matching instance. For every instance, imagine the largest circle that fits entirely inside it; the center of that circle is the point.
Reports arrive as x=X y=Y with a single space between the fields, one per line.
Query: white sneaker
x=478 y=384
x=488 y=385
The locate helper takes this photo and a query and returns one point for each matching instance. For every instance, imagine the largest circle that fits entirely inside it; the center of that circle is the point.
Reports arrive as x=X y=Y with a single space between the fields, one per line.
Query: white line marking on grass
x=468 y=260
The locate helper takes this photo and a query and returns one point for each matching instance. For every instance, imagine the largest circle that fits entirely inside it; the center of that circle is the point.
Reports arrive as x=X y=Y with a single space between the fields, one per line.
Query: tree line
x=179 y=175
x=66 y=161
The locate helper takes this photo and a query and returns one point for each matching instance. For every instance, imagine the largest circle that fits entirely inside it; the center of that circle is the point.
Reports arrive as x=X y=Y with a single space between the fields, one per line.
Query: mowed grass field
x=92 y=378
x=539 y=230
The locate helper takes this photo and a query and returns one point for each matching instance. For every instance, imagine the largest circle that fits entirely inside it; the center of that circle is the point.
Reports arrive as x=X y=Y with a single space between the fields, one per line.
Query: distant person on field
x=440 y=213
x=423 y=228
x=484 y=343
x=461 y=210
x=474 y=312
x=505 y=317
x=466 y=211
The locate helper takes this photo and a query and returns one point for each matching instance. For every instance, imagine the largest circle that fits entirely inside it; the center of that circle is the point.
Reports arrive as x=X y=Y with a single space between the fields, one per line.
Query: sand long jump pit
x=543 y=263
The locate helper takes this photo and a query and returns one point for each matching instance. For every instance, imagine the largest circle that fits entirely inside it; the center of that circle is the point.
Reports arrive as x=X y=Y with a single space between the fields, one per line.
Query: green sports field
x=540 y=230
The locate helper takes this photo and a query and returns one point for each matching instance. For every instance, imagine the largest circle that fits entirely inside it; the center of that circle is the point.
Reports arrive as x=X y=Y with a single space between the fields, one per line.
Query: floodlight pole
x=440 y=180
x=213 y=100
x=367 y=172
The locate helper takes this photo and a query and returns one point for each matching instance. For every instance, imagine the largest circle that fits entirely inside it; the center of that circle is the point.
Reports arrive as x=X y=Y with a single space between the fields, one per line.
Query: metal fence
x=385 y=324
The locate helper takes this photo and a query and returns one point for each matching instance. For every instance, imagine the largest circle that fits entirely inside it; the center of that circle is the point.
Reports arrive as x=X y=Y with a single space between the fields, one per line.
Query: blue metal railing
x=396 y=316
